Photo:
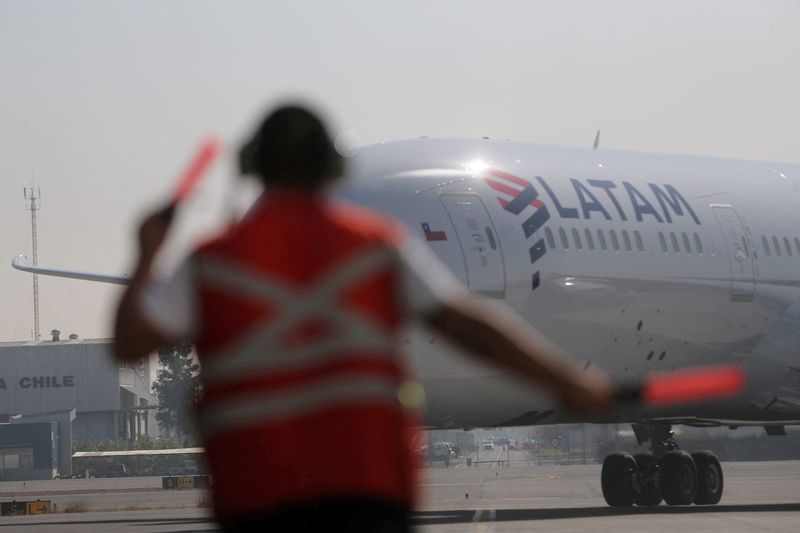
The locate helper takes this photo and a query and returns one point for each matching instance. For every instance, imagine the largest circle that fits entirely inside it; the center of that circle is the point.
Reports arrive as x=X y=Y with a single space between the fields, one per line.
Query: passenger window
x=712 y=247
x=777 y=246
x=614 y=240
x=626 y=240
x=577 y=238
x=686 y=245
x=663 y=242
x=674 y=239
x=589 y=240
x=787 y=246
x=551 y=241
x=602 y=239
x=698 y=244
x=639 y=243
x=563 y=236
x=765 y=246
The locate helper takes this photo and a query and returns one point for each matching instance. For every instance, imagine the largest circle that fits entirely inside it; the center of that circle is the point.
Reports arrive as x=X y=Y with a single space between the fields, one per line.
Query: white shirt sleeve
x=170 y=305
x=427 y=282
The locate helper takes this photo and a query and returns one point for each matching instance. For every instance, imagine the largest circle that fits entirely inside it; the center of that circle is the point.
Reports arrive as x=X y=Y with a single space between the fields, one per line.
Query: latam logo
x=661 y=203
x=522 y=196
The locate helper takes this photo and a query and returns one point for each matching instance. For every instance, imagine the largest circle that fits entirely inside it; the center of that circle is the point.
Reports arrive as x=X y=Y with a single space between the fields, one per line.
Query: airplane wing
x=21 y=262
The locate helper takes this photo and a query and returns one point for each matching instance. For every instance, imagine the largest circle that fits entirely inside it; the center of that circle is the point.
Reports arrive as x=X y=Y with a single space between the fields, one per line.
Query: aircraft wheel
x=618 y=479
x=649 y=487
x=709 y=478
x=678 y=477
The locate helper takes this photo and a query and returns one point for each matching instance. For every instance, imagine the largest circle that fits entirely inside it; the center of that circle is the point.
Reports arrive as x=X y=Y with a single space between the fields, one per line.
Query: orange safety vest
x=300 y=310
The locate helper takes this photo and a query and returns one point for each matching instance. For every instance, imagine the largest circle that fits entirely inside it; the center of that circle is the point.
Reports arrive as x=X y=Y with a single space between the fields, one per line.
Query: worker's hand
x=588 y=392
x=152 y=234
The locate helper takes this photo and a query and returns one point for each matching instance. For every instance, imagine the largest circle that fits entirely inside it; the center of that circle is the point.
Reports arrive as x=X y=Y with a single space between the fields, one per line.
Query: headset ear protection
x=255 y=156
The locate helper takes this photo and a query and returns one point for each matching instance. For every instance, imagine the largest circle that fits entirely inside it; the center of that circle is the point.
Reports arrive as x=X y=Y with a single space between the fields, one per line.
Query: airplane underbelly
x=632 y=328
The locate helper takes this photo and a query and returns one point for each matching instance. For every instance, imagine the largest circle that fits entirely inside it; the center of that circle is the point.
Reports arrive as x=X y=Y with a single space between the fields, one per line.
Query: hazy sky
x=103 y=101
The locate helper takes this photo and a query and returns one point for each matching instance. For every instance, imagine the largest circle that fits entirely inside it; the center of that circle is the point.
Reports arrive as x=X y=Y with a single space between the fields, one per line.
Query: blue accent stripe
x=522 y=200
x=535 y=221
x=537 y=251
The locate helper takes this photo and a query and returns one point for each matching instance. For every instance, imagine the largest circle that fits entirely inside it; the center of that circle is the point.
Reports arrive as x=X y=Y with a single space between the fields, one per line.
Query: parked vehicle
x=188 y=468
x=112 y=470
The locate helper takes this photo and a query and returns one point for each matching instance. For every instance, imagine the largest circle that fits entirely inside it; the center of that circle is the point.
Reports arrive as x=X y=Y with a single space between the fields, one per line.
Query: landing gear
x=668 y=473
x=678 y=478
x=649 y=480
x=709 y=478
x=618 y=479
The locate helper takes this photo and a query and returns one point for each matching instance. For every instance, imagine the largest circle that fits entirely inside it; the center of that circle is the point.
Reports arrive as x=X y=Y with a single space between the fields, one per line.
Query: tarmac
x=489 y=497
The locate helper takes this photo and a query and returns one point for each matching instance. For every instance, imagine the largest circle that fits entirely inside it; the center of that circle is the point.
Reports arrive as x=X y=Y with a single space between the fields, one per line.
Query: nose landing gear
x=668 y=473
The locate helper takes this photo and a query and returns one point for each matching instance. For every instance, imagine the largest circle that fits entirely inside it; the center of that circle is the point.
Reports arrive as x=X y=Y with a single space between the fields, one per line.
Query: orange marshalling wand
x=188 y=180
x=688 y=386
x=205 y=155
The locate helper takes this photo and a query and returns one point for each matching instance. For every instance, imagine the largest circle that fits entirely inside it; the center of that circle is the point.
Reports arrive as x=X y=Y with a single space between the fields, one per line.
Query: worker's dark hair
x=291 y=148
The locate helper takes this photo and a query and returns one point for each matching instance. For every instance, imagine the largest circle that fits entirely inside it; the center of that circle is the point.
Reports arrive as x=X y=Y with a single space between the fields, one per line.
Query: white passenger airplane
x=633 y=262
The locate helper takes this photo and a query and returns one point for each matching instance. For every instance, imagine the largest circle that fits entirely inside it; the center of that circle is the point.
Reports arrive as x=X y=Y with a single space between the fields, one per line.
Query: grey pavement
x=759 y=496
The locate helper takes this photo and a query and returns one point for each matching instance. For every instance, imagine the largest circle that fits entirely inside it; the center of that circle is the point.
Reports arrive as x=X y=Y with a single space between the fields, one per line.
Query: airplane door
x=739 y=253
x=479 y=243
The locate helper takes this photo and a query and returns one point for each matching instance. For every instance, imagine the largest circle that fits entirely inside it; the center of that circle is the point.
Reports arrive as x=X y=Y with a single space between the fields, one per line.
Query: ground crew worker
x=295 y=312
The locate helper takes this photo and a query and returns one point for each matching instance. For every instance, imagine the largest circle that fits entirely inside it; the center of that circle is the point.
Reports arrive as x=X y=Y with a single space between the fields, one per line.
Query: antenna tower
x=34 y=196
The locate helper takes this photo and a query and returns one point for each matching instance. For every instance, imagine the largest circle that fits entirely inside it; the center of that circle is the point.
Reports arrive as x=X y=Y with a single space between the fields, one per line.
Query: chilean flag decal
x=434 y=231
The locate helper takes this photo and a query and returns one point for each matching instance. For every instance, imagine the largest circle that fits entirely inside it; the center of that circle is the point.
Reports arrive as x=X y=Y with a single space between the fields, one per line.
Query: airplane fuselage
x=636 y=263
x=633 y=262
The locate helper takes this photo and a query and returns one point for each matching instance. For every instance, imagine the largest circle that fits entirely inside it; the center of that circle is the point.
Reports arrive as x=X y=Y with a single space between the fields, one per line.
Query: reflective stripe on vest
x=266 y=408
x=261 y=350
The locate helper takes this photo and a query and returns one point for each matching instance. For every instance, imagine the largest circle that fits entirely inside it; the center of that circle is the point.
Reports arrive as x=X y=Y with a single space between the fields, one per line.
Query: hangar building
x=77 y=385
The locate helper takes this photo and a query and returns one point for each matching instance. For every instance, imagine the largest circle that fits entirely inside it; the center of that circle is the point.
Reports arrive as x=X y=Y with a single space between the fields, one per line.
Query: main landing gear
x=667 y=474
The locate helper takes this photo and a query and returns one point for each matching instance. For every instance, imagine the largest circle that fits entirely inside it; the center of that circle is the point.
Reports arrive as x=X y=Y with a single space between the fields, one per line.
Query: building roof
x=44 y=343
